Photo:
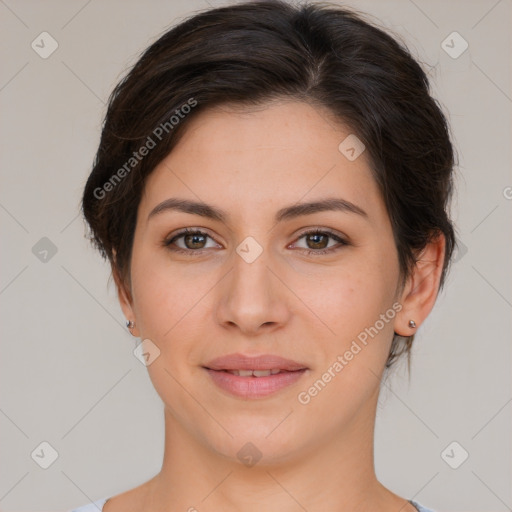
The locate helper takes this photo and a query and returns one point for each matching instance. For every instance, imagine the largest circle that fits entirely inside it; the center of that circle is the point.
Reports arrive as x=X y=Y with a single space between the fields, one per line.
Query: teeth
x=255 y=373
x=262 y=373
x=243 y=373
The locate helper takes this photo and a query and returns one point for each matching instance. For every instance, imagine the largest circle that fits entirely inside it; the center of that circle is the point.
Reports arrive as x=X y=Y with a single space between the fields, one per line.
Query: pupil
x=316 y=242
x=194 y=239
x=316 y=239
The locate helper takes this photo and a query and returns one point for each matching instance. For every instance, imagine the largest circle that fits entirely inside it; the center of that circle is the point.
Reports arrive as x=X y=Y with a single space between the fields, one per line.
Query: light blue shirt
x=97 y=506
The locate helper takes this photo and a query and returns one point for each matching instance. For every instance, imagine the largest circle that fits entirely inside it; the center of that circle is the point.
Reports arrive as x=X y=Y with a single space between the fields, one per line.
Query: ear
x=125 y=298
x=421 y=288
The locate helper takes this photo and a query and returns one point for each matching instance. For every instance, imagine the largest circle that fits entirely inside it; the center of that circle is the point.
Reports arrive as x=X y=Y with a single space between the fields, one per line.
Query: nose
x=253 y=298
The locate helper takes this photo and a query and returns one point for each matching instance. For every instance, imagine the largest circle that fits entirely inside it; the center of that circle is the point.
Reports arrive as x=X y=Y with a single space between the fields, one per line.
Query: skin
x=308 y=308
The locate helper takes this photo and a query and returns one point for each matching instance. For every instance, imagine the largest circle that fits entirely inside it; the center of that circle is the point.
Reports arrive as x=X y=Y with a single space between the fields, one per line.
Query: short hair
x=249 y=54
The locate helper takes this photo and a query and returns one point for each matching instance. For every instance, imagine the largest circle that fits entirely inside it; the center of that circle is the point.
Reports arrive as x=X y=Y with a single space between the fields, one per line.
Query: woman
x=271 y=190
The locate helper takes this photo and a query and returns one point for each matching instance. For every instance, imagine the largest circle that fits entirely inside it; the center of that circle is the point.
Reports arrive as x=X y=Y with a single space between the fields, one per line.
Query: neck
x=333 y=473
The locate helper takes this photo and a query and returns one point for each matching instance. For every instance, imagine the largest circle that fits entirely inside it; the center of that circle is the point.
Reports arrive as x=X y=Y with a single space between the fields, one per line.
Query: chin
x=262 y=441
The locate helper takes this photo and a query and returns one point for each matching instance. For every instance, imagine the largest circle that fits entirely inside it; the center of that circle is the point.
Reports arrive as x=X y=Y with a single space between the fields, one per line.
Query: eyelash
x=316 y=252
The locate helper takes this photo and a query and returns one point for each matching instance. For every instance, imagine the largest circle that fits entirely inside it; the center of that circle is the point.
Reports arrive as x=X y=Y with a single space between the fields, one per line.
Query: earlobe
x=130 y=325
x=125 y=301
x=421 y=288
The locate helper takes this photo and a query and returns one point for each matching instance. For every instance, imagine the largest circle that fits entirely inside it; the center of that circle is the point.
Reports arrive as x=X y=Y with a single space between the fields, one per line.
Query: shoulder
x=128 y=501
x=421 y=508
x=95 y=506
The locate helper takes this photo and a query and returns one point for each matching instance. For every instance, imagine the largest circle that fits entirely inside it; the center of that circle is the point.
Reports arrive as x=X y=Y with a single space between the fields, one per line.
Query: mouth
x=263 y=362
x=254 y=373
x=254 y=377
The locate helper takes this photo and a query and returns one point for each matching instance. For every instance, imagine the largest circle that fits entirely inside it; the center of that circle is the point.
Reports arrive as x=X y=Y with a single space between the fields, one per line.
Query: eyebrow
x=287 y=213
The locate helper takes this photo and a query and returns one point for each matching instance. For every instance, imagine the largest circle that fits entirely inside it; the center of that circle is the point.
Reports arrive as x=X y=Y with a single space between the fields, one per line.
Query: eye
x=317 y=241
x=194 y=241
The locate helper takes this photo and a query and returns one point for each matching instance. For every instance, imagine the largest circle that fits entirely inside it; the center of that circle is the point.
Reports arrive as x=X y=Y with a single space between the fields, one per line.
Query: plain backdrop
x=68 y=374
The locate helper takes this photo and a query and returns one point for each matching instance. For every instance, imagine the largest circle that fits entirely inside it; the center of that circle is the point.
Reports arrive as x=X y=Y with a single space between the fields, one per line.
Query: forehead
x=253 y=159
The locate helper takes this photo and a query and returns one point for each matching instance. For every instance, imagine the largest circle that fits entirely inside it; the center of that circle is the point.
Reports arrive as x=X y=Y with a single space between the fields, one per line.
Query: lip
x=254 y=387
x=261 y=362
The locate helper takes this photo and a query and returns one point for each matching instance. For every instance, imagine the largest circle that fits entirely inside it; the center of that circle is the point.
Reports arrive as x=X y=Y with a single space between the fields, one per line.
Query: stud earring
x=130 y=325
x=412 y=324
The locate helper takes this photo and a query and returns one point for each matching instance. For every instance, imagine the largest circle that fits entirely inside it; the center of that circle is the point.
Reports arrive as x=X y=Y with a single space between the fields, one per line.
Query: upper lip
x=261 y=362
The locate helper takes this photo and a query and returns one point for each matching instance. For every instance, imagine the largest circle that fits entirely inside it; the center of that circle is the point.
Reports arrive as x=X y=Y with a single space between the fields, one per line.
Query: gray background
x=68 y=375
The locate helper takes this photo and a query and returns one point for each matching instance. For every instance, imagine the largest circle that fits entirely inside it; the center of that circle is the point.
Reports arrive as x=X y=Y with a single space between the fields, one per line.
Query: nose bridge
x=251 y=295
x=251 y=276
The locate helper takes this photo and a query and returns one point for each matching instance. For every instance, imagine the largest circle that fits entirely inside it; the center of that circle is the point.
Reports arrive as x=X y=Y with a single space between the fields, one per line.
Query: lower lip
x=254 y=387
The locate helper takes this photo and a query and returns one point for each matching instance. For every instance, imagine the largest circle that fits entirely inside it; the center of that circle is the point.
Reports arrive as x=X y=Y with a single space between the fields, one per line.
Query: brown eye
x=190 y=241
x=195 y=241
x=317 y=242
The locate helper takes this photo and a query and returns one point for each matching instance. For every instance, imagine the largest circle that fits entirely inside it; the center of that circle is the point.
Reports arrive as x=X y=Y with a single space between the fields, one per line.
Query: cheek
x=358 y=306
x=349 y=297
x=164 y=294
x=167 y=304
x=173 y=307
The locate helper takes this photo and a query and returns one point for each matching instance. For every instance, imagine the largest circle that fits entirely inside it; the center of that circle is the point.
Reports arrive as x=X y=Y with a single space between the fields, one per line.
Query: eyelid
x=341 y=239
x=321 y=230
x=168 y=240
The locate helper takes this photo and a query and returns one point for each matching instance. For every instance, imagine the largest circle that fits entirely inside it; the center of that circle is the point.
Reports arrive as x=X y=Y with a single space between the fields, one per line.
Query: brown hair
x=251 y=53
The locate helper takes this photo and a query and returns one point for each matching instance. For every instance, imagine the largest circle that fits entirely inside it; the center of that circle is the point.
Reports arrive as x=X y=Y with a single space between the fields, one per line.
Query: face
x=261 y=275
